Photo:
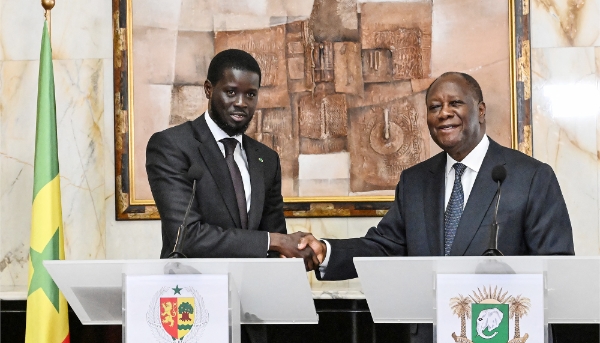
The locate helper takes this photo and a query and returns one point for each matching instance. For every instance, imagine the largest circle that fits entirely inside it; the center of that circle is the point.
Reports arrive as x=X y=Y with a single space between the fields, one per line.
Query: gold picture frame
x=130 y=206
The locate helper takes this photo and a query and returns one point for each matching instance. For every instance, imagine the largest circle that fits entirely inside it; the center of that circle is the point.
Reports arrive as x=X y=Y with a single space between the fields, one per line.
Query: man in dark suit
x=445 y=205
x=238 y=208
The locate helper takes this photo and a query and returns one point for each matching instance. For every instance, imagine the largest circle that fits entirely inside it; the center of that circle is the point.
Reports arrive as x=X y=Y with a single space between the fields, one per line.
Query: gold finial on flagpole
x=48 y=5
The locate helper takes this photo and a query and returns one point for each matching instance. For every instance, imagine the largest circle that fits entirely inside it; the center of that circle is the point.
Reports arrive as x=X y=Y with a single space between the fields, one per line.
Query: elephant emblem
x=490 y=319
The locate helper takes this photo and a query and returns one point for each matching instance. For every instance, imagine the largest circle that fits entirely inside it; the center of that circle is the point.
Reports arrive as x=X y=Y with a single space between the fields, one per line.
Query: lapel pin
x=260 y=159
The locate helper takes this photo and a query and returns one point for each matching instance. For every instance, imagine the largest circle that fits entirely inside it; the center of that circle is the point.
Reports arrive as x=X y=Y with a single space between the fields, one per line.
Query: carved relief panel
x=342 y=91
x=405 y=46
x=323 y=123
x=403 y=29
x=322 y=60
x=273 y=127
x=377 y=65
x=383 y=141
x=348 y=68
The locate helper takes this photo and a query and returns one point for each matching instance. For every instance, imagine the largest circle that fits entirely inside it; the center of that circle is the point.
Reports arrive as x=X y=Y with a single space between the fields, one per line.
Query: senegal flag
x=47 y=311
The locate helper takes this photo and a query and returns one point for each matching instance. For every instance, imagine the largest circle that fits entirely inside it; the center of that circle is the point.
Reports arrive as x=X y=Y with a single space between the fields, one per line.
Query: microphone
x=498 y=175
x=194 y=173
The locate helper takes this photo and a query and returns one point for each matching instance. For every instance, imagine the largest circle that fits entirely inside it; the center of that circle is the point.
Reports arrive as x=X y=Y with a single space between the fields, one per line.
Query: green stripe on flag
x=46 y=146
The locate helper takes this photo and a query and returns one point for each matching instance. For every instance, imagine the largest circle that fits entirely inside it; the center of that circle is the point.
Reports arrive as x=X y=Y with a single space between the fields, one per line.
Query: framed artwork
x=342 y=97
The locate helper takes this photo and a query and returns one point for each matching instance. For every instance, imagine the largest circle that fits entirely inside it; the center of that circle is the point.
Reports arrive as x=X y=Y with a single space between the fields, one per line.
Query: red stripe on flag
x=67 y=339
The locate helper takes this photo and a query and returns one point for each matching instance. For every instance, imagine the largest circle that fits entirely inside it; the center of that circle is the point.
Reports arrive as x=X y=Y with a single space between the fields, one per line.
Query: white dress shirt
x=473 y=162
x=239 y=155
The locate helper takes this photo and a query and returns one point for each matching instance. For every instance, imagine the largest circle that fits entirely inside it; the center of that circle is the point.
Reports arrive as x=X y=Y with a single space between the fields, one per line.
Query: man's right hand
x=319 y=247
x=288 y=246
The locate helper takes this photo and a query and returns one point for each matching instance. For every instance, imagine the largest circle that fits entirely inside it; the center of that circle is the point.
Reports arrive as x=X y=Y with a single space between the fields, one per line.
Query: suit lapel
x=433 y=200
x=215 y=162
x=257 y=184
x=480 y=200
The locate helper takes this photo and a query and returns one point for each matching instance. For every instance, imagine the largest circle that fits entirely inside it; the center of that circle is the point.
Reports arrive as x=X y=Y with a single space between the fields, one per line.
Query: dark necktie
x=454 y=209
x=236 y=177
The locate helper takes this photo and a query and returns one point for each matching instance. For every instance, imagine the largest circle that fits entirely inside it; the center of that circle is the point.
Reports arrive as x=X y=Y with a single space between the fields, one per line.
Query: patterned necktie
x=454 y=209
x=236 y=177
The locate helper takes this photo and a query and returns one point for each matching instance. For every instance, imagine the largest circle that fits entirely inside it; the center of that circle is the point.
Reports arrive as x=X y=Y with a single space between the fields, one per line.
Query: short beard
x=230 y=130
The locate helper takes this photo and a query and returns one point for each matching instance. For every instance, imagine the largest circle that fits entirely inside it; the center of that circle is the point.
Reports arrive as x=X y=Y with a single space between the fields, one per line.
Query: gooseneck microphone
x=194 y=173
x=498 y=175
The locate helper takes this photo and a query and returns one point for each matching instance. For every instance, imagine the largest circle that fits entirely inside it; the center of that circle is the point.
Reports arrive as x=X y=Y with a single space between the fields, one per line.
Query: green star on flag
x=41 y=279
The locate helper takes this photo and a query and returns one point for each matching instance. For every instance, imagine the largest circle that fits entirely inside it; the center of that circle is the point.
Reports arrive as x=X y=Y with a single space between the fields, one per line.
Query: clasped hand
x=300 y=245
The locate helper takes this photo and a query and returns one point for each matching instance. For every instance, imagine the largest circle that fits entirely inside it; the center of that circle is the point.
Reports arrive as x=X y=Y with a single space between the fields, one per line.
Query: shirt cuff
x=268 y=242
x=323 y=266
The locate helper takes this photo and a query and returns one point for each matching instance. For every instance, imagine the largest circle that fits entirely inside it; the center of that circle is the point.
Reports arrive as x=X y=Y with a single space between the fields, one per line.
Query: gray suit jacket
x=532 y=216
x=214 y=223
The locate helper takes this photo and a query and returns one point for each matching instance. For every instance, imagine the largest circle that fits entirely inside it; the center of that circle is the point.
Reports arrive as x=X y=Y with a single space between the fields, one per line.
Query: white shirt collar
x=217 y=132
x=474 y=159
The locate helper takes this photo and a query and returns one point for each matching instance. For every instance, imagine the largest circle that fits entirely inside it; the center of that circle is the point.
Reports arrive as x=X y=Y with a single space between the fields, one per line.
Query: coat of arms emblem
x=177 y=315
x=491 y=312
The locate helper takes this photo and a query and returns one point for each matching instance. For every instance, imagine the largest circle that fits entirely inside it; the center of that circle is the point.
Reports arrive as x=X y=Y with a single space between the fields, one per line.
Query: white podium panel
x=270 y=291
x=402 y=289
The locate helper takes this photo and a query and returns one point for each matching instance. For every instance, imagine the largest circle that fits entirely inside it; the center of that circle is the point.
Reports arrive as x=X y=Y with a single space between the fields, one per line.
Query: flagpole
x=48 y=5
x=47 y=317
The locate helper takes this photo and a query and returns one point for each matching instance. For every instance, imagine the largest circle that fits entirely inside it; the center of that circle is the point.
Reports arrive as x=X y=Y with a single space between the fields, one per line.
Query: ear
x=496 y=319
x=208 y=89
x=481 y=108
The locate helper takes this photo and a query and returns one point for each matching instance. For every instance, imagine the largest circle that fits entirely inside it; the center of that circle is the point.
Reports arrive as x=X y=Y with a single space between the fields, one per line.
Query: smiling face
x=455 y=117
x=233 y=99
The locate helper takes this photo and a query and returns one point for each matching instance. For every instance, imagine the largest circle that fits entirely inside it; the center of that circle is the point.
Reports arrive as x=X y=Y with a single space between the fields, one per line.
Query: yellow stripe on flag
x=47 y=216
x=48 y=325
x=46 y=225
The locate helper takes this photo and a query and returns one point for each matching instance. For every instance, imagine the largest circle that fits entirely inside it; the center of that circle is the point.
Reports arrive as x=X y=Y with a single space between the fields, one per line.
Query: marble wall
x=82 y=51
x=565 y=60
x=566 y=71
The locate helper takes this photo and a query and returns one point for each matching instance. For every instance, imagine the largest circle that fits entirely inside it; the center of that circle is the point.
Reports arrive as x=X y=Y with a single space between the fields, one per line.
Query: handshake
x=299 y=245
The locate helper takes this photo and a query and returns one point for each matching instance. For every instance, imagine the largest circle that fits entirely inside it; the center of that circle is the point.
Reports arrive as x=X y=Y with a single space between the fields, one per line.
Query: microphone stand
x=493 y=244
x=182 y=231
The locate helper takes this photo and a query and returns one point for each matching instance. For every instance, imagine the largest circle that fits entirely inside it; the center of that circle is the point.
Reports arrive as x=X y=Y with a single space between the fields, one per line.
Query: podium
x=262 y=291
x=403 y=289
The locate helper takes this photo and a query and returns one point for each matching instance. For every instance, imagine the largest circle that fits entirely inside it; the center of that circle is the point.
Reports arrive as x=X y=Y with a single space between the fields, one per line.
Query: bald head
x=473 y=84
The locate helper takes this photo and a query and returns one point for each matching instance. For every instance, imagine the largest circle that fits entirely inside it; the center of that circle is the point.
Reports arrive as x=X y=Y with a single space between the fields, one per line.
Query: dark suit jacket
x=532 y=216
x=214 y=223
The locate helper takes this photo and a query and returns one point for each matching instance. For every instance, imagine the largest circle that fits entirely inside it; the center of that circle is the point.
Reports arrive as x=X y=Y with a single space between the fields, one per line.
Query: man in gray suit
x=238 y=208
x=445 y=205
